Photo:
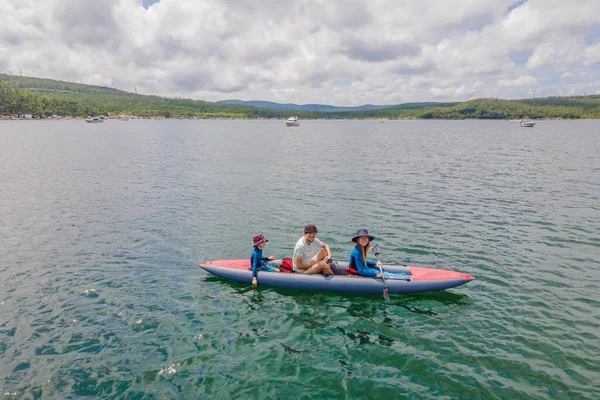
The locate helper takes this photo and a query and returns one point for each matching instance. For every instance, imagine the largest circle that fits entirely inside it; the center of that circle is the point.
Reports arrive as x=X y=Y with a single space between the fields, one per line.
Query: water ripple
x=102 y=229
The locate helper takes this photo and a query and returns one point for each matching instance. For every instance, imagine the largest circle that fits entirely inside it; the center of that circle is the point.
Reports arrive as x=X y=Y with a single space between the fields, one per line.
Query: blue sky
x=310 y=51
x=148 y=3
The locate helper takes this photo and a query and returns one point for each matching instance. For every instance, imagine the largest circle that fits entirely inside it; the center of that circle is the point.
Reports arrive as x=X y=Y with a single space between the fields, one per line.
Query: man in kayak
x=311 y=256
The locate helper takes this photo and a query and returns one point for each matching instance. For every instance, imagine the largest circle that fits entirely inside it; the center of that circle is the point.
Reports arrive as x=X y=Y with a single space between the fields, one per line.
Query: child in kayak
x=358 y=258
x=257 y=260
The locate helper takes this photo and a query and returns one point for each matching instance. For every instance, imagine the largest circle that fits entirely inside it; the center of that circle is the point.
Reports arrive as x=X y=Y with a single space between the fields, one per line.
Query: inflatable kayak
x=421 y=279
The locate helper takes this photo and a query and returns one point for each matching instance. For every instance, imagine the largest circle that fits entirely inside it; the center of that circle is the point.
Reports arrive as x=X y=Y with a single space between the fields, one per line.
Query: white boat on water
x=526 y=123
x=292 y=121
x=94 y=120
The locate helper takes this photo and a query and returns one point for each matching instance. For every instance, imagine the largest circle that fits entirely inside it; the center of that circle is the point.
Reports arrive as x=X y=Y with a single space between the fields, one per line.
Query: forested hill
x=42 y=97
x=51 y=85
x=47 y=96
x=299 y=107
x=327 y=108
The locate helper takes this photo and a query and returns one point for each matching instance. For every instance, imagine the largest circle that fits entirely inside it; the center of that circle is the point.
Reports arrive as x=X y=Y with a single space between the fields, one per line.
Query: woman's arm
x=359 y=264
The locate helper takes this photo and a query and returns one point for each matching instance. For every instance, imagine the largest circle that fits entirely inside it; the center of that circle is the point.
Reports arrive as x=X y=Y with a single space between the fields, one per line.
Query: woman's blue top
x=356 y=261
x=256 y=260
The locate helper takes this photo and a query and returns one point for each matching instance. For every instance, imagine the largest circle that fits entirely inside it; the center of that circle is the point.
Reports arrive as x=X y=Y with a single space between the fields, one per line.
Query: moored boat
x=526 y=123
x=292 y=121
x=94 y=120
x=422 y=279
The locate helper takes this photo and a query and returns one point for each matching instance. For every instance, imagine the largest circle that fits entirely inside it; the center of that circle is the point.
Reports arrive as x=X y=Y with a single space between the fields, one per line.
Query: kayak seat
x=342 y=268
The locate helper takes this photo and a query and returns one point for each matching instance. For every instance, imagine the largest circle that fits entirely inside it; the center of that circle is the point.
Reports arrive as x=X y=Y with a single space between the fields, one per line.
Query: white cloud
x=592 y=55
x=517 y=82
x=307 y=51
x=462 y=91
x=560 y=52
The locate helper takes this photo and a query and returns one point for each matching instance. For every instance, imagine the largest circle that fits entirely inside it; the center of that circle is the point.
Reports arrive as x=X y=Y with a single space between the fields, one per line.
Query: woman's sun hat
x=362 y=233
x=260 y=238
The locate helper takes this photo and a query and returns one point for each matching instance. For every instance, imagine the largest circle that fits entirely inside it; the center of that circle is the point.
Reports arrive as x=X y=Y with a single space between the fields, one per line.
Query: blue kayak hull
x=423 y=279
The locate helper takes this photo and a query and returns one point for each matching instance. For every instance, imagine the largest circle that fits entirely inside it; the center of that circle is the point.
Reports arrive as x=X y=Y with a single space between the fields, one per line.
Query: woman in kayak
x=256 y=259
x=358 y=258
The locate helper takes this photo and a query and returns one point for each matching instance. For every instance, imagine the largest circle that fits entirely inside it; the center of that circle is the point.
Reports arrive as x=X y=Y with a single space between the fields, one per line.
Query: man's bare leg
x=318 y=265
x=315 y=269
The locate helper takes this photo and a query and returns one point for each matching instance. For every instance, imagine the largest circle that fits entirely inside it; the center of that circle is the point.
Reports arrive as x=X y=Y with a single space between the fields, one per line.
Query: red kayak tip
x=432 y=274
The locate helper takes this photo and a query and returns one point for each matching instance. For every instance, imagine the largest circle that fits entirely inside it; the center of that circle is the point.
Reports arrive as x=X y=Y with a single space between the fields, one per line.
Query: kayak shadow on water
x=443 y=296
x=415 y=302
x=411 y=302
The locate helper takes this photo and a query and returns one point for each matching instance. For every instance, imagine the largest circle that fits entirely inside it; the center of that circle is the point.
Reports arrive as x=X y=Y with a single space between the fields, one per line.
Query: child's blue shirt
x=256 y=260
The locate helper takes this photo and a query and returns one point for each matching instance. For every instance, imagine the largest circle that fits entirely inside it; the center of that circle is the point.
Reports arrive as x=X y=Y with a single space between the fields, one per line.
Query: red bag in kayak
x=287 y=265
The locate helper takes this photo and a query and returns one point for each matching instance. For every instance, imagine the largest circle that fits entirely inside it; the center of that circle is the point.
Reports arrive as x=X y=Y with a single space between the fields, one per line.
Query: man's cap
x=310 y=228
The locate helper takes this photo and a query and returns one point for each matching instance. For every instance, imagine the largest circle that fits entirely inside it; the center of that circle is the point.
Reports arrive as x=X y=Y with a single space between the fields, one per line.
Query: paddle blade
x=386 y=295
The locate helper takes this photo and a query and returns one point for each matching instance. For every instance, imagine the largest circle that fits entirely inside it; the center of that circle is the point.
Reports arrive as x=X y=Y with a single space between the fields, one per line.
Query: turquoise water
x=102 y=227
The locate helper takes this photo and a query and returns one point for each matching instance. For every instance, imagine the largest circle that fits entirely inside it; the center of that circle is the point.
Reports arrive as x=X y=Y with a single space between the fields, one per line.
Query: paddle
x=386 y=291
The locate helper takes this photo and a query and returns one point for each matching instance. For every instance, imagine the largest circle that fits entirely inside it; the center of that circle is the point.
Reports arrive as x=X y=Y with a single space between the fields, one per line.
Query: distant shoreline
x=283 y=119
x=33 y=96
